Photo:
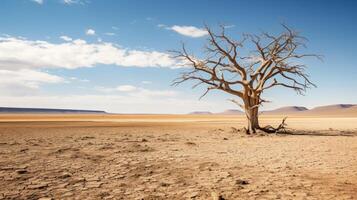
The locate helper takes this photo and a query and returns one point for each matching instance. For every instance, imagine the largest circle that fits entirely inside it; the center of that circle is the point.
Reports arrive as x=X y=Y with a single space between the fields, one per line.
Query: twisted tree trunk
x=251 y=107
x=253 y=122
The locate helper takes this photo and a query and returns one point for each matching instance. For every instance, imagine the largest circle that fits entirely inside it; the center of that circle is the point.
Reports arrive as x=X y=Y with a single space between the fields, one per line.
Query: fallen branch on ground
x=280 y=129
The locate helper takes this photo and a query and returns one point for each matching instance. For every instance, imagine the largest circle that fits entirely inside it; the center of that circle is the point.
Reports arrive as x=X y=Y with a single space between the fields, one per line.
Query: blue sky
x=112 y=55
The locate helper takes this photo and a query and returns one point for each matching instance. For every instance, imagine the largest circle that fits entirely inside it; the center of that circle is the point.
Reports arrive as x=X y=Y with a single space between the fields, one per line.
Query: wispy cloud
x=109 y=34
x=38 y=1
x=126 y=88
x=90 y=32
x=69 y=2
x=77 y=79
x=21 y=53
x=190 y=31
x=66 y=38
x=146 y=82
x=24 y=81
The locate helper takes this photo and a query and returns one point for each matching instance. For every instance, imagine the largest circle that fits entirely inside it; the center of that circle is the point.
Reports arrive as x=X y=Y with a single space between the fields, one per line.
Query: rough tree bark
x=229 y=68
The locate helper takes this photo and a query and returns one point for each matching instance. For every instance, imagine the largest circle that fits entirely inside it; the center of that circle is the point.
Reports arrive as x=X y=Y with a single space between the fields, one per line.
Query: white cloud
x=30 y=76
x=38 y=1
x=126 y=88
x=90 y=32
x=109 y=33
x=68 y=2
x=189 y=31
x=115 y=28
x=66 y=38
x=24 y=81
x=21 y=53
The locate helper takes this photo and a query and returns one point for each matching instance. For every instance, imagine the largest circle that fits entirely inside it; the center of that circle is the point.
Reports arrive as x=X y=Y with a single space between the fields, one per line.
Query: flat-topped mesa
x=48 y=111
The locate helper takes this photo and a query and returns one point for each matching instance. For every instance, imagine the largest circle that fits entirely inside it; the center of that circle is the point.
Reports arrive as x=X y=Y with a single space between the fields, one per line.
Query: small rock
x=21 y=171
x=23 y=150
x=190 y=143
x=64 y=175
x=163 y=184
x=242 y=182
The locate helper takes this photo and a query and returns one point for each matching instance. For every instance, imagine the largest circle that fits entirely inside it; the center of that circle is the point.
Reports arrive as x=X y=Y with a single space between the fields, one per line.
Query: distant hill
x=200 y=113
x=334 y=107
x=287 y=109
x=339 y=109
x=328 y=110
x=231 y=112
x=46 y=110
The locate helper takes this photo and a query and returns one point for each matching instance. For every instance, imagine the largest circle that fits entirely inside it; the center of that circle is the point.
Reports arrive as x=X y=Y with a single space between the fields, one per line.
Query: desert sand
x=175 y=157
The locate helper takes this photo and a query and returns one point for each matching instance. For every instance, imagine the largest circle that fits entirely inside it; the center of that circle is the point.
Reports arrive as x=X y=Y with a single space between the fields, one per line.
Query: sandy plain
x=175 y=157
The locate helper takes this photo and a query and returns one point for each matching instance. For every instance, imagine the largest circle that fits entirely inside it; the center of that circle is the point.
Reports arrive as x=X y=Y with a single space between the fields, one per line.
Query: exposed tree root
x=270 y=129
x=280 y=129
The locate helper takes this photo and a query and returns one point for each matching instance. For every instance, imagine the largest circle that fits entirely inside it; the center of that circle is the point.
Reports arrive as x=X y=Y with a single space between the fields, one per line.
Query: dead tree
x=228 y=66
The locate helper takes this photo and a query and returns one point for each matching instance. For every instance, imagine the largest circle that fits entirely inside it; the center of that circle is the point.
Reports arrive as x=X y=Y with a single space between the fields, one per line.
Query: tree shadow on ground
x=319 y=133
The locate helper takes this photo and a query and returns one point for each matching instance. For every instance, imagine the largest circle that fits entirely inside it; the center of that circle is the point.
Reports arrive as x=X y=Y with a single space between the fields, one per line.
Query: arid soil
x=175 y=157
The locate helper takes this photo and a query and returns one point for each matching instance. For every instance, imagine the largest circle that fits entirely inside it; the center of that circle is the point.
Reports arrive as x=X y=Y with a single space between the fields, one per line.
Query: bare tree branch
x=227 y=67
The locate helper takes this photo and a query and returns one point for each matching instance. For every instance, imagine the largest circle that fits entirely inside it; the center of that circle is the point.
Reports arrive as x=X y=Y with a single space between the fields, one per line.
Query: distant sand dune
x=288 y=109
x=334 y=109
x=231 y=112
x=341 y=110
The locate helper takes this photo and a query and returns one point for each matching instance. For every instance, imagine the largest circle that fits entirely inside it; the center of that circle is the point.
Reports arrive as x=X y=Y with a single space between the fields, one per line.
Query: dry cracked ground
x=99 y=160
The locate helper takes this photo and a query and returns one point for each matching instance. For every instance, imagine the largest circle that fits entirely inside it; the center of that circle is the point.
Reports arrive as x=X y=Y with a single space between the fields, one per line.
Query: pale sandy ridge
x=313 y=122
